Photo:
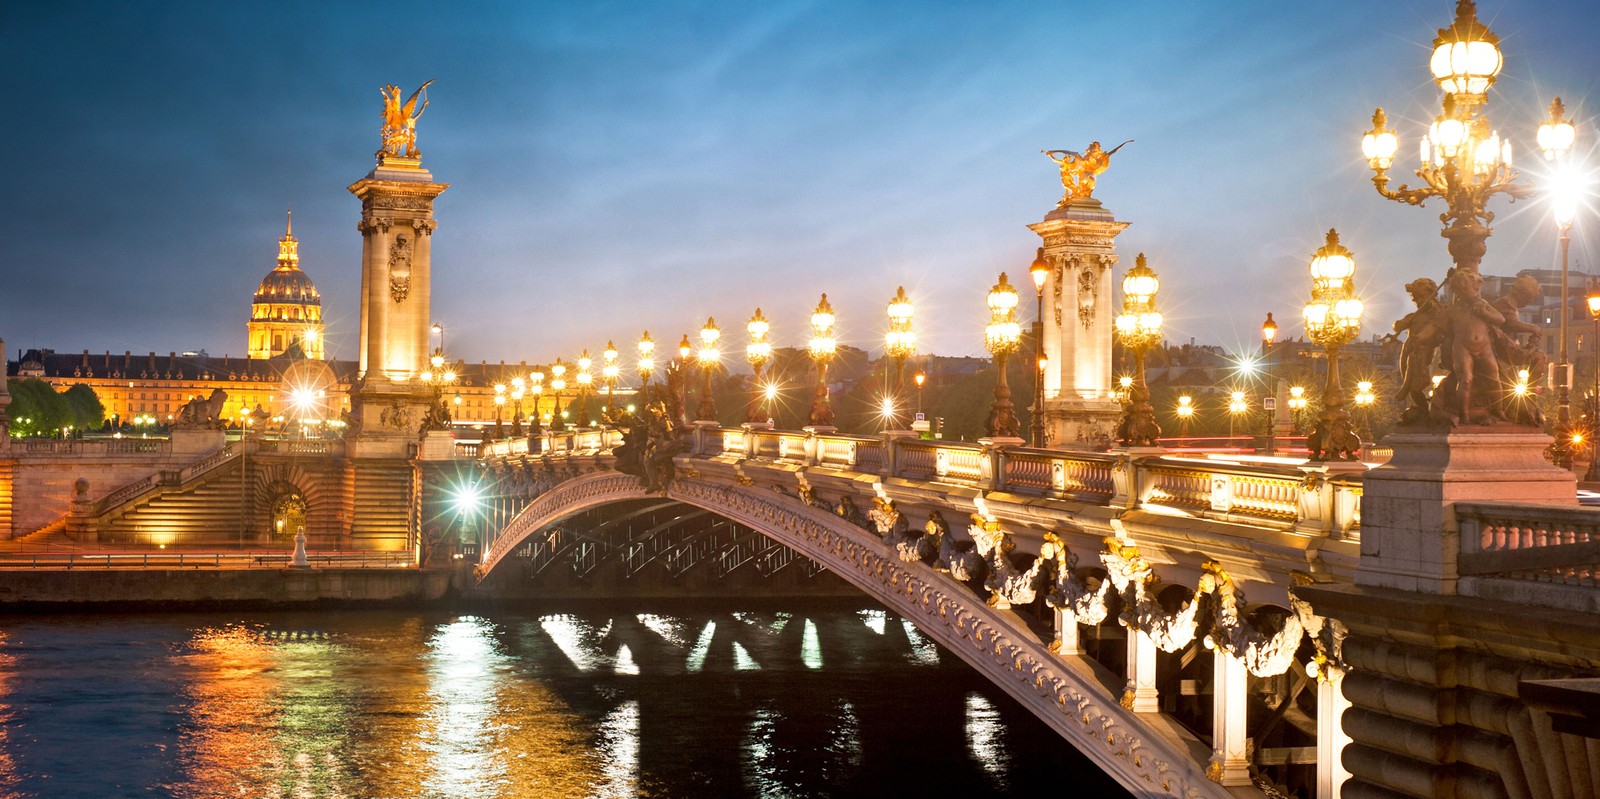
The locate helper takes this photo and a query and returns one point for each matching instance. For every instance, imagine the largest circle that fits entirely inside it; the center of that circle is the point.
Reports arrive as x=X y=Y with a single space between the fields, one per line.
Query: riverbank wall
x=176 y=587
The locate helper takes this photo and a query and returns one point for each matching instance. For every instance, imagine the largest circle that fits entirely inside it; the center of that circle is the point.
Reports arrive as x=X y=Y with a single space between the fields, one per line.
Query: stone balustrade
x=90 y=448
x=1537 y=554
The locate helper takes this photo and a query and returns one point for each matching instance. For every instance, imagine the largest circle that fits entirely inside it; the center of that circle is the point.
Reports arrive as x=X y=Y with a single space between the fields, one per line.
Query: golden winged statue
x=400 y=121
x=1079 y=170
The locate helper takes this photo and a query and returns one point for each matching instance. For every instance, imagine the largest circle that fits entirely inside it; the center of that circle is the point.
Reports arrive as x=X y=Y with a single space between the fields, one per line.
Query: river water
x=832 y=700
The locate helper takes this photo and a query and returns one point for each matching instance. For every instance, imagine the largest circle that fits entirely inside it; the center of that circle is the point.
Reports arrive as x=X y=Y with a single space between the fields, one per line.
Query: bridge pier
x=1230 y=705
x=1141 y=695
x=1331 y=737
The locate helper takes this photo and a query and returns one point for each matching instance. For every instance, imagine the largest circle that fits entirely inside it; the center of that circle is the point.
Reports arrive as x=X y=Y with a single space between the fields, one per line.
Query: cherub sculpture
x=1424 y=329
x=1467 y=396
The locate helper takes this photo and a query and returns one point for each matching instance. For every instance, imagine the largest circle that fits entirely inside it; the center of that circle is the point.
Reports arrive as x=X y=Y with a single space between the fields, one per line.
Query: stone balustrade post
x=1124 y=481
x=1230 y=695
x=892 y=448
x=1141 y=695
x=813 y=447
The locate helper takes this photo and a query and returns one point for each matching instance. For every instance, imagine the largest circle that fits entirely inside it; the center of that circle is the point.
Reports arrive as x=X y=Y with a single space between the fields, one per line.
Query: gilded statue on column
x=400 y=121
x=1080 y=170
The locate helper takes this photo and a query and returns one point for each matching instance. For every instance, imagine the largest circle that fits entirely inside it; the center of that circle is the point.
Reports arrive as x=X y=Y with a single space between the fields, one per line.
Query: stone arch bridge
x=1105 y=592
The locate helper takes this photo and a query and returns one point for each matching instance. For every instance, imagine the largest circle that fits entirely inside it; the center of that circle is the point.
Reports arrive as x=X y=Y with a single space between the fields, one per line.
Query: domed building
x=286 y=314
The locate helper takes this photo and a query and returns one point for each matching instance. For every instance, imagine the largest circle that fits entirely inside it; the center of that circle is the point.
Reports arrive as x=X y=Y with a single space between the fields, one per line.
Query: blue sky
x=622 y=166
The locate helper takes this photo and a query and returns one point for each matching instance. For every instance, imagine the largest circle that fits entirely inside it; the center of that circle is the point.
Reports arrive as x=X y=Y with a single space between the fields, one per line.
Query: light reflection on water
x=392 y=704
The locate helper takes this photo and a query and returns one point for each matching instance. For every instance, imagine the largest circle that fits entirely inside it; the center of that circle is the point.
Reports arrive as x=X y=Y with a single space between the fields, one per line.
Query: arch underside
x=1060 y=690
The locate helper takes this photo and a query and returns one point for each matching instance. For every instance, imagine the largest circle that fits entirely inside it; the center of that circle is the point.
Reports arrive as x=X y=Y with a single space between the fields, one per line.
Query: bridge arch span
x=1065 y=695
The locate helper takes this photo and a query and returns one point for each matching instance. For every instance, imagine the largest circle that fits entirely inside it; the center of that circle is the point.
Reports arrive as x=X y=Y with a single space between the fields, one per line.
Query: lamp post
x=1364 y=400
x=708 y=357
x=558 y=384
x=437 y=376
x=1564 y=206
x=499 y=402
x=585 y=380
x=1592 y=474
x=1269 y=334
x=685 y=349
x=1139 y=327
x=1185 y=412
x=610 y=372
x=1039 y=270
x=1463 y=162
x=1333 y=319
x=536 y=388
x=438 y=330
x=647 y=364
x=517 y=386
x=758 y=352
x=1237 y=404
x=1297 y=402
x=822 y=347
x=1002 y=337
x=899 y=344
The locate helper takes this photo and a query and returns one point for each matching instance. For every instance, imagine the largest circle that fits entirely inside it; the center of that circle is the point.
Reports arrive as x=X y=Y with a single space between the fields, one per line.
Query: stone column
x=1140 y=696
x=396 y=276
x=1331 y=737
x=1080 y=302
x=1230 y=759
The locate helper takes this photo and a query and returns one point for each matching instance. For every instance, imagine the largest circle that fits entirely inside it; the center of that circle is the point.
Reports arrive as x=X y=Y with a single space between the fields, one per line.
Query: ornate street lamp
x=1564 y=197
x=1002 y=337
x=536 y=388
x=758 y=352
x=517 y=386
x=610 y=371
x=822 y=347
x=499 y=403
x=709 y=356
x=1269 y=334
x=1139 y=328
x=1185 y=411
x=1333 y=319
x=919 y=378
x=584 y=378
x=1592 y=474
x=685 y=349
x=1040 y=272
x=558 y=384
x=1464 y=162
x=437 y=376
x=647 y=364
x=1237 y=404
x=899 y=344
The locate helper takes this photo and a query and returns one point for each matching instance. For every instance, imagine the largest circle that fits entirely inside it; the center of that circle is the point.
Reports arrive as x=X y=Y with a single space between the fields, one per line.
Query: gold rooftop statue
x=400 y=122
x=1078 y=171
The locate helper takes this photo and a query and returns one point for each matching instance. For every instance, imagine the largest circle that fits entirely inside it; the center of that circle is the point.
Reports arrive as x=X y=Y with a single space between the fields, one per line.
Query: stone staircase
x=204 y=509
x=381 y=510
x=52 y=533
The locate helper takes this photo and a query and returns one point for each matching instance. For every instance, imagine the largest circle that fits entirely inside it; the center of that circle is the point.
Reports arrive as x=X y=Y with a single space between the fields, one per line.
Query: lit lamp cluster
x=822 y=348
x=1002 y=337
x=899 y=344
x=1464 y=161
x=759 y=353
x=708 y=357
x=437 y=376
x=1139 y=329
x=1333 y=319
x=1039 y=270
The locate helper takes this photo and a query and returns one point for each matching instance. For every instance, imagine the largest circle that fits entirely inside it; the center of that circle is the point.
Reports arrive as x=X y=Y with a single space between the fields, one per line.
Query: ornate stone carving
x=395 y=416
x=399 y=269
x=202 y=414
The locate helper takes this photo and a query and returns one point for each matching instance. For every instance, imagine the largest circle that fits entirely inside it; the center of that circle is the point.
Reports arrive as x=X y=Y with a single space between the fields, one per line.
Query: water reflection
x=392 y=705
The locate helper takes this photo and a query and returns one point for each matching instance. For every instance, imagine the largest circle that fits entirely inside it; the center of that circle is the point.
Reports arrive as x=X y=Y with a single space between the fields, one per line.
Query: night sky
x=622 y=166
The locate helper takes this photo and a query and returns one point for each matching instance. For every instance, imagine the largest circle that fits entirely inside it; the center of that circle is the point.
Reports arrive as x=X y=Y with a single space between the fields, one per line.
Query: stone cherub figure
x=1468 y=395
x=1080 y=170
x=1515 y=353
x=1424 y=329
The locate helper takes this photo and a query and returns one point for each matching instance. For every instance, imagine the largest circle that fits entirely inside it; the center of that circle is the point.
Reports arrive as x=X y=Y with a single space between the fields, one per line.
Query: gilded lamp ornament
x=1002 y=337
x=899 y=343
x=1139 y=329
x=1463 y=161
x=1333 y=319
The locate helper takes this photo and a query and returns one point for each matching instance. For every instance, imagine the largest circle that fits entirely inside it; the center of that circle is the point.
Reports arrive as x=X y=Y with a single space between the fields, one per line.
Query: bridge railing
x=1306 y=498
x=1540 y=554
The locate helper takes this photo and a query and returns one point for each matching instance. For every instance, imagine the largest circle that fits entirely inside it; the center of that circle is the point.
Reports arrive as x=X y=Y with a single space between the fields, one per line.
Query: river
x=822 y=700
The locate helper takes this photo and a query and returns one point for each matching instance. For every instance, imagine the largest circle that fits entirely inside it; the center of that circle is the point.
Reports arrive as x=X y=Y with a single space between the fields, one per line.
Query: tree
x=84 y=407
